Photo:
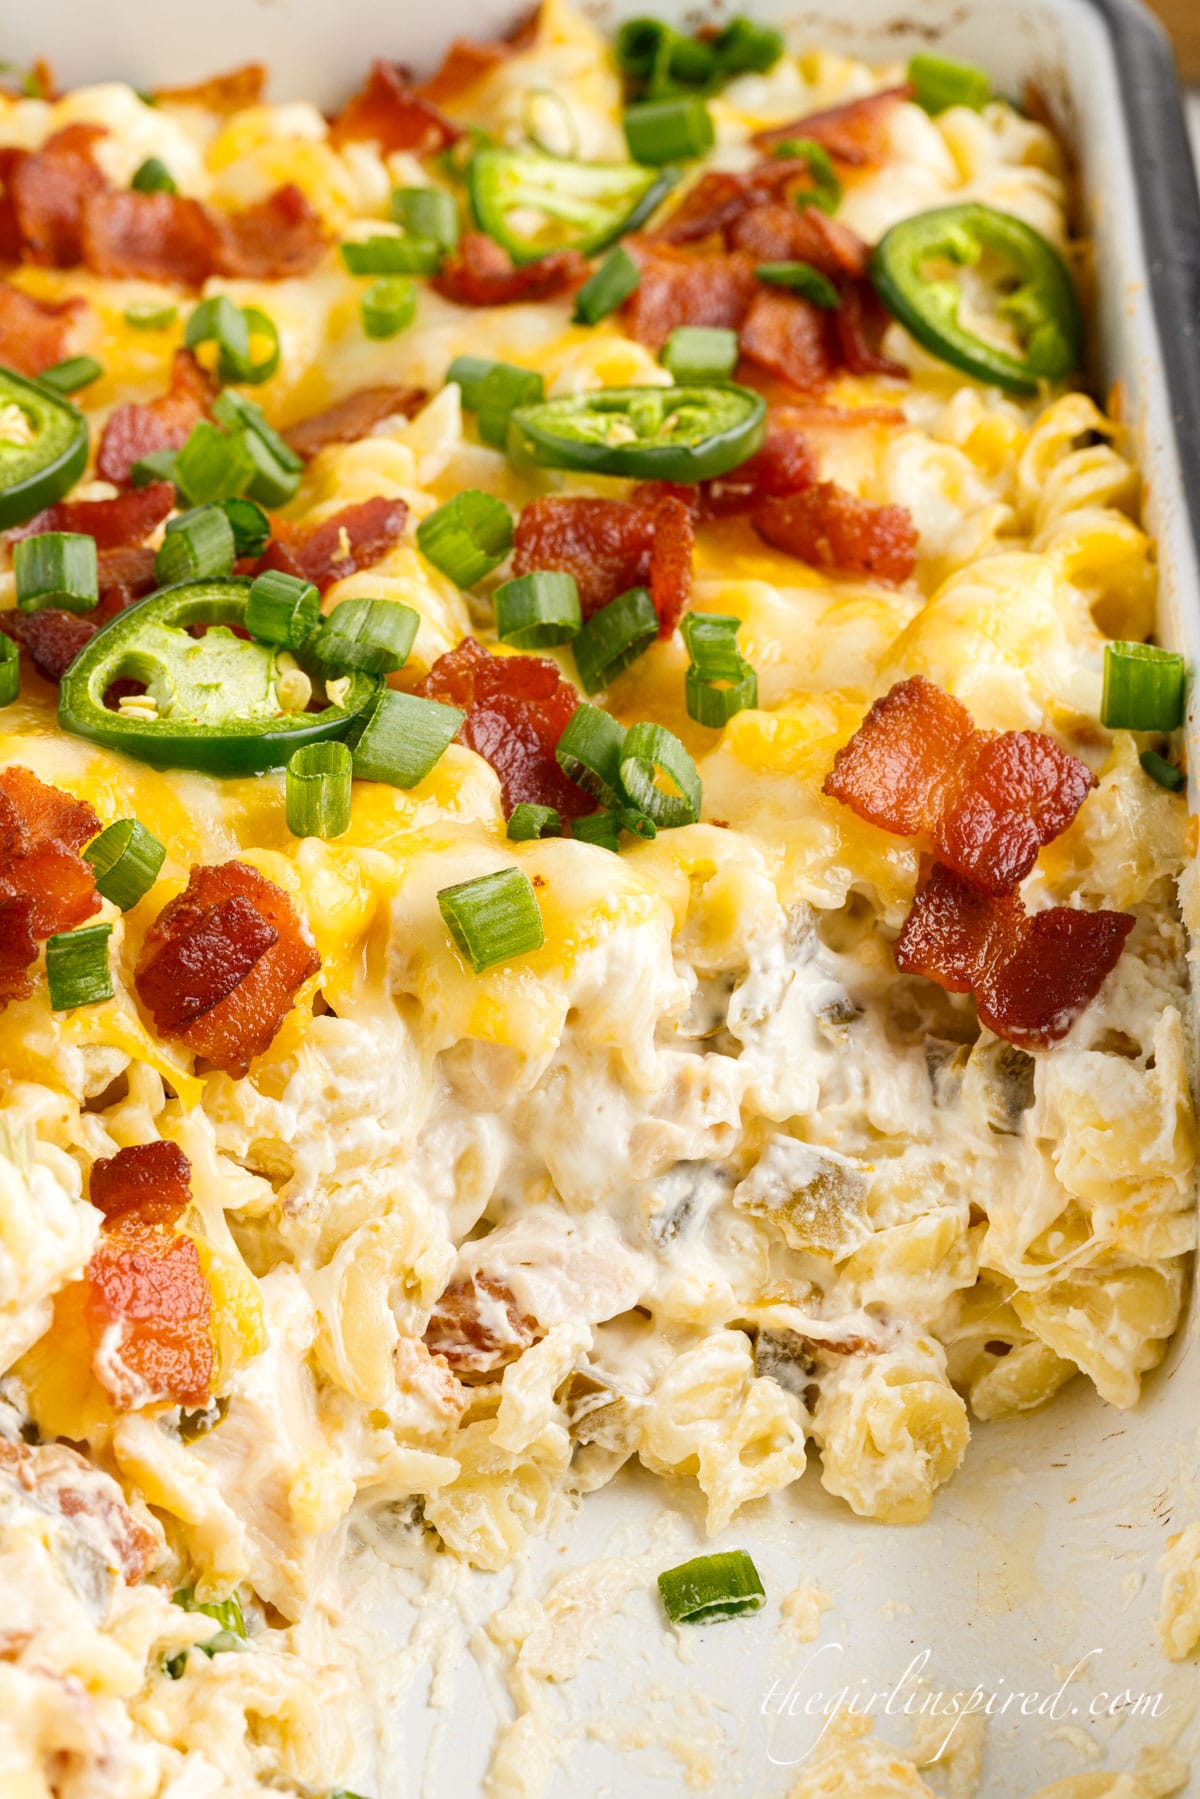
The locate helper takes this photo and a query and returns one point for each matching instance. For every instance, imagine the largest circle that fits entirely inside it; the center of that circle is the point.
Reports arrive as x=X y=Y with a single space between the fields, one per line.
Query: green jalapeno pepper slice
x=684 y=434
x=533 y=203
x=215 y=703
x=43 y=448
x=1040 y=305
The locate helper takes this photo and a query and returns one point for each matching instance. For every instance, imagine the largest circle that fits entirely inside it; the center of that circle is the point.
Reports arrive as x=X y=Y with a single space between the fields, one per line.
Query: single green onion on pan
x=589 y=753
x=373 y=636
x=1144 y=688
x=317 y=796
x=388 y=305
x=801 y=278
x=282 y=609
x=668 y=130
x=56 y=568
x=714 y=700
x=126 y=859
x=696 y=354
x=68 y=377
x=493 y=918
x=538 y=610
x=467 y=537
x=711 y=1587
x=614 y=637
x=402 y=737
x=527 y=821
x=1164 y=772
x=198 y=545
x=939 y=82
x=650 y=750
x=276 y=468
x=609 y=287
x=77 y=970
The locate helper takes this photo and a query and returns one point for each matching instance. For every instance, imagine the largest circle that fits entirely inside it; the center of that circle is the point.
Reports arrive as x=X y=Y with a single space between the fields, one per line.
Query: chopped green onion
x=614 y=637
x=260 y=325
x=527 y=821
x=493 y=918
x=56 y=568
x=282 y=609
x=1143 y=688
x=159 y=465
x=212 y=466
x=10 y=670
x=648 y=750
x=198 y=545
x=502 y=390
x=604 y=828
x=468 y=537
x=664 y=130
x=427 y=212
x=218 y=321
x=711 y=1587
x=151 y=317
x=638 y=46
x=68 y=377
x=801 y=278
x=696 y=354
x=711 y=640
x=538 y=610
x=227 y=1612
x=373 y=636
x=714 y=700
x=939 y=82
x=77 y=968
x=270 y=484
x=589 y=753
x=388 y=305
x=1162 y=771
x=276 y=468
x=153 y=177
x=317 y=798
x=660 y=61
x=746 y=48
x=826 y=194
x=609 y=287
x=402 y=738
x=251 y=526
x=392 y=256
x=469 y=372
x=126 y=859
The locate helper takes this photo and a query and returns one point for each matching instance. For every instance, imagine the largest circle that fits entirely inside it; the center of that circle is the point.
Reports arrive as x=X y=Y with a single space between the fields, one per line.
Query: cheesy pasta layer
x=832 y=1089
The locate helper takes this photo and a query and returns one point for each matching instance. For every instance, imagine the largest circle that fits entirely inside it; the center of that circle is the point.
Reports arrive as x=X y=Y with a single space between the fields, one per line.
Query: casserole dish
x=1039 y=1558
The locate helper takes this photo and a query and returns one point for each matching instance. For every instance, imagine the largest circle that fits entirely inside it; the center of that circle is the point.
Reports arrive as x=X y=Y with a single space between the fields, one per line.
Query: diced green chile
x=47 y=455
x=215 y=694
x=682 y=434
x=1042 y=306
x=582 y=205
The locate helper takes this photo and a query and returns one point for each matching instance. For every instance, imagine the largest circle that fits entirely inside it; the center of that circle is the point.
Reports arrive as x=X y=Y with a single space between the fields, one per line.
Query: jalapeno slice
x=533 y=203
x=1038 y=300
x=211 y=701
x=645 y=433
x=43 y=448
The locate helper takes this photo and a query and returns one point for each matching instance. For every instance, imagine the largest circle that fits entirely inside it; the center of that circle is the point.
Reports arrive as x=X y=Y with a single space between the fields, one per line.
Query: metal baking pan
x=1040 y=1556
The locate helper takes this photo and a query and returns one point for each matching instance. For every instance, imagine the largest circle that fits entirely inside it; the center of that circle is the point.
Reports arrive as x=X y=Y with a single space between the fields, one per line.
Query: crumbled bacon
x=33 y=333
x=789 y=336
x=478 y=1327
x=986 y=800
x=859 y=324
x=126 y=519
x=829 y=528
x=222 y=963
x=50 y=188
x=610 y=546
x=169 y=237
x=1029 y=974
x=60 y=1480
x=784 y=465
x=42 y=830
x=391 y=112
x=354 y=537
x=680 y=287
x=352 y=417
x=465 y=62
x=517 y=708
x=10 y=231
x=134 y=431
x=855 y=133
x=275 y=239
x=145 y=1280
x=783 y=232
x=482 y=273
x=228 y=92
x=53 y=638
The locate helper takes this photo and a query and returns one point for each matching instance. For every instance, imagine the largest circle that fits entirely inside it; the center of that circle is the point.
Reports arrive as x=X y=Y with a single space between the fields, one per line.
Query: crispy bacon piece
x=465 y=62
x=60 y=1480
x=53 y=638
x=273 y=240
x=152 y=237
x=134 y=430
x=33 y=333
x=829 y=528
x=788 y=336
x=228 y=92
x=394 y=114
x=50 y=188
x=855 y=133
x=680 y=287
x=1029 y=975
x=859 y=324
x=478 y=1327
x=18 y=947
x=784 y=465
x=988 y=801
x=115 y=524
x=482 y=273
x=146 y=1280
x=354 y=537
x=10 y=231
x=517 y=708
x=45 y=885
x=610 y=546
x=222 y=963
x=352 y=417
x=781 y=232
x=719 y=199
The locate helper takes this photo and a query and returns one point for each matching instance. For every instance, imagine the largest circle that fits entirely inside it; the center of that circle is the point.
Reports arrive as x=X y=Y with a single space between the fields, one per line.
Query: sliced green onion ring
x=614 y=637
x=197 y=546
x=427 y=212
x=609 y=287
x=662 y=131
x=151 y=316
x=648 y=750
x=126 y=859
x=526 y=822
x=231 y=328
x=282 y=609
x=77 y=970
x=711 y=1587
x=1144 y=688
x=714 y=700
x=538 y=610
x=801 y=278
x=159 y=465
x=467 y=537
x=56 y=568
x=388 y=305
x=493 y=918
x=317 y=790
x=69 y=376
x=387 y=254
x=401 y=738
x=374 y=636
x=939 y=82
x=589 y=753
x=694 y=354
